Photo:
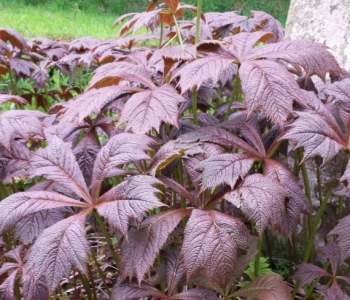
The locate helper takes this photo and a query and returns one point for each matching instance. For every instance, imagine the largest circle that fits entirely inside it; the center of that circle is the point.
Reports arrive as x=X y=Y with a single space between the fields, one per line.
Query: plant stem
x=178 y=33
x=257 y=257
x=319 y=186
x=340 y=208
x=235 y=92
x=107 y=236
x=194 y=105
x=314 y=227
x=86 y=285
x=161 y=35
x=100 y=273
x=198 y=20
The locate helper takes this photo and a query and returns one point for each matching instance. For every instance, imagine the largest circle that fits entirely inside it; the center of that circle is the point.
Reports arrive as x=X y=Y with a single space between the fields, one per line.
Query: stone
x=322 y=21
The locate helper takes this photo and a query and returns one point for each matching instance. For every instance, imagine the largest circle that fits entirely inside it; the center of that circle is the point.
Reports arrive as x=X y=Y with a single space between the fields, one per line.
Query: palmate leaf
x=22 y=67
x=297 y=202
x=30 y=227
x=7 y=287
x=334 y=293
x=12 y=36
x=135 y=291
x=224 y=169
x=86 y=153
x=196 y=294
x=13 y=99
x=94 y=101
x=316 y=135
x=113 y=73
x=174 y=268
x=269 y=86
x=169 y=152
x=262 y=200
x=332 y=252
x=307 y=273
x=18 y=124
x=217 y=136
x=121 y=149
x=130 y=199
x=143 y=244
x=311 y=56
x=211 y=243
x=57 y=162
x=58 y=249
x=266 y=287
x=343 y=237
x=203 y=70
x=146 y=110
x=20 y=205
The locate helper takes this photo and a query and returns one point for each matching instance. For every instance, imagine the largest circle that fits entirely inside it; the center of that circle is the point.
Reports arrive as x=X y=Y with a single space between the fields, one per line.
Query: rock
x=323 y=21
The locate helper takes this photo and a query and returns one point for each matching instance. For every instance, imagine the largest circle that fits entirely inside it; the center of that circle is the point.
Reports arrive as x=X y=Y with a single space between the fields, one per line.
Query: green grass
x=40 y=21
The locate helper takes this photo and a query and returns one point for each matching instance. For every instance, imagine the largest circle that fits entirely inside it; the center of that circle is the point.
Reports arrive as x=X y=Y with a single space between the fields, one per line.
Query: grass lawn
x=39 y=21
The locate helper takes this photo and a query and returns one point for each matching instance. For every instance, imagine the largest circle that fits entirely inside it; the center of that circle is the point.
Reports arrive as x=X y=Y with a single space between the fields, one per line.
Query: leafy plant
x=154 y=179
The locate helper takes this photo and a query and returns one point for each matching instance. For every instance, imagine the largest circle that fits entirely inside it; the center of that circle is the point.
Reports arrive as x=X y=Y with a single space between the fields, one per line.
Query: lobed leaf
x=307 y=273
x=268 y=86
x=343 y=236
x=134 y=291
x=143 y=244
x=121 y=149
x=224 y=169
x=146 y=110
x=262 y=200
x=20 y=205
x=211 y=243
x=57 y=162
x=130 y=199
x=58 y=249
x=266 y=287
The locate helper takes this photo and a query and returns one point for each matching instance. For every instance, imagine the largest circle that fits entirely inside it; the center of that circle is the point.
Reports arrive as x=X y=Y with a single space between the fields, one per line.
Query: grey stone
x=322 y=21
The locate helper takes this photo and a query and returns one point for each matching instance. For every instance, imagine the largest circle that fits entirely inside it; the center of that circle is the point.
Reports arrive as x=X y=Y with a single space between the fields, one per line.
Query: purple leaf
x=266 y=287
x=224 y=169
x=262 y=200
x=131 y=199
x=268 y=86
x=146 y=110
x=20 y=205
x=121 y=149
x=144 y=243
x=307 y=273
x=343 y=233
x=57 y=162
x=211 y=243
x=58 y=249
x=134 y=291
x=196 y=294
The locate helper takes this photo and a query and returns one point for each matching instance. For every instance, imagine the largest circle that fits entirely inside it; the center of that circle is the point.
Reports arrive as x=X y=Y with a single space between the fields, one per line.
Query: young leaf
x=146 y=110
x=58 y=249
x=121 y=149
x=130 y=199
x=211 y=243
x=57 y=162
x=266 y=287
x=144 y=243
x=262 y=200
